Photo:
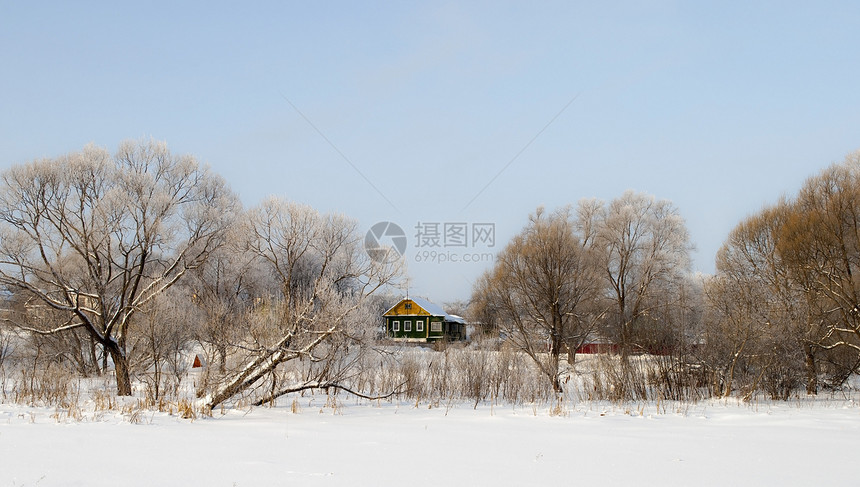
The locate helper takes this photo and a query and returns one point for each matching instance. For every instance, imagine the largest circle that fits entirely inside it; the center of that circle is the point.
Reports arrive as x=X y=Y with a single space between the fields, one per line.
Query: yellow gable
x=400 y=309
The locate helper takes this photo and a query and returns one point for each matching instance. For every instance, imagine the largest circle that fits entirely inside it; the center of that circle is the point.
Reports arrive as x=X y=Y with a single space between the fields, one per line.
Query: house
x=598 y=347
x=419 y=320
x=596 y=344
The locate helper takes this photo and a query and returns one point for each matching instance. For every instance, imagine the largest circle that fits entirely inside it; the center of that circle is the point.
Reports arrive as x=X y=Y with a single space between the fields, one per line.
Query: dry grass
x=447 y=378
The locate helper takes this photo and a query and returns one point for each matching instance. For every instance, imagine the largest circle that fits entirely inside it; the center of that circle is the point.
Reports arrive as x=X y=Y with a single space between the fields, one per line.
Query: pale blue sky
x=720 y=107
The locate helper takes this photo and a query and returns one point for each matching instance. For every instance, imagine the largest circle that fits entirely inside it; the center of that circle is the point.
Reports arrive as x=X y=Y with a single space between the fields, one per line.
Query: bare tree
x=7 y=350
x=731 y=334
x=540 y=288
x=787 y=280
x=643 y=247
x=315 y=322
x=744 y=303
x=162 y=338
x=457 y=308
x=763 y=304
x=98 y=237
x=222 y=291
x=819 y=245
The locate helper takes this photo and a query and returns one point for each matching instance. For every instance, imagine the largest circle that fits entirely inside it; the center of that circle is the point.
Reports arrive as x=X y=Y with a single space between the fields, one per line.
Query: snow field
x=394 y=443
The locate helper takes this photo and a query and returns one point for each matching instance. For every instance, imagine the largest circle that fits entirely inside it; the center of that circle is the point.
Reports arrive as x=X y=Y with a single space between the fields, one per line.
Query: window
x=436 y=326
x=408 y=305
x=407 y=325
x=419 y=325
x=395 y=326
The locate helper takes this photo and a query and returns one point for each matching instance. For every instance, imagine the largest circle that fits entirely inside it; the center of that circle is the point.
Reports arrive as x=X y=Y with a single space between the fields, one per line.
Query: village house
x=419 y=320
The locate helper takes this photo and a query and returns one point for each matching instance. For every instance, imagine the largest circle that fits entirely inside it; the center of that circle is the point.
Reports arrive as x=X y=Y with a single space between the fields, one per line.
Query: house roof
x=432 y=309
x=457 y=318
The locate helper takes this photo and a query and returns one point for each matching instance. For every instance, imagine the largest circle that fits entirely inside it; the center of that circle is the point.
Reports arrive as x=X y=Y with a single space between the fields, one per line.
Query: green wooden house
x=419 y=320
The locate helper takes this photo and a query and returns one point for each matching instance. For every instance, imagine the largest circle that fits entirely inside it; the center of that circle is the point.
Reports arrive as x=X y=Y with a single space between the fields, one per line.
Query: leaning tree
x=310 y=333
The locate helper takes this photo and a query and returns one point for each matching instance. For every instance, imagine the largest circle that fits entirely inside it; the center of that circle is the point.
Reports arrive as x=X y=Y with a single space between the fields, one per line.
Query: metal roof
x=432 y=308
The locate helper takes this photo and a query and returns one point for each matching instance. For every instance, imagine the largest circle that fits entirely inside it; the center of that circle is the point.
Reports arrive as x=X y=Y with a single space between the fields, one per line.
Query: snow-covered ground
x=391 y=443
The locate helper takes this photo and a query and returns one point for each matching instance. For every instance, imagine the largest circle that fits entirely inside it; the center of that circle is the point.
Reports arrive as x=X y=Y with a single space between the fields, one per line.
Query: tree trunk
x=571 y=354
x=727 y=387
x=249 y=375
x=94 y=357
x=222 y=359
x=555 y=353
x=556 y=382
x=156 y=375
x=811 y=370
x=625 y=342
x=120 y=364
x=730 y=376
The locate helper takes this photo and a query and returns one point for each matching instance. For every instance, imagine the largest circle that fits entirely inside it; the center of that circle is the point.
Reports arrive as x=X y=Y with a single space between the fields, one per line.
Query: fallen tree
x=320 y=320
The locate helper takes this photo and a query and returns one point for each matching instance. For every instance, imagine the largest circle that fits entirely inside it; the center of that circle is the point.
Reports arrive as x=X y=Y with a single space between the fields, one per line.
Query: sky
x=461 y=113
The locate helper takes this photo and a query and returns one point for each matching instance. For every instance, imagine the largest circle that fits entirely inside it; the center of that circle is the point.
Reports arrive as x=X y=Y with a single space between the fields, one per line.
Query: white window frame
x=395 y=325
x=419 y=325
x=407 y=325
x=436 y=327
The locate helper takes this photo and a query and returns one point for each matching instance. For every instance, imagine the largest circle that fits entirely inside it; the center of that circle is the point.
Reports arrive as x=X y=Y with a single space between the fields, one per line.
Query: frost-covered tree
x=162 y=337
x=308 y=333
x=756 y=308
x=820 y=246
x=643 y=248
x=221 y=291
x=97 y=237
x=541 y=289
x=784 y=301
